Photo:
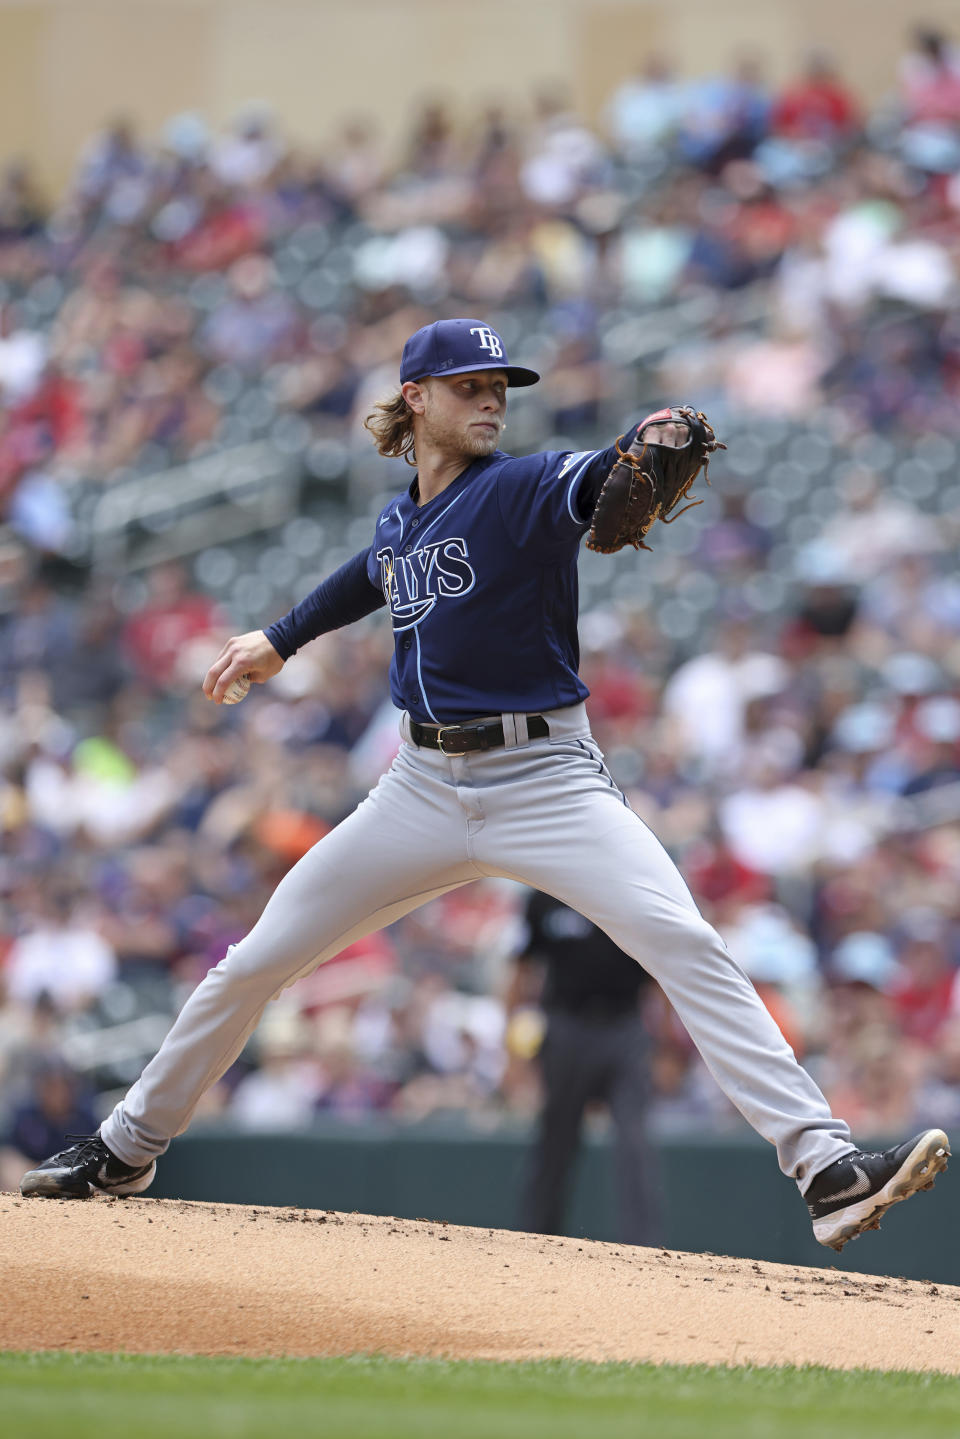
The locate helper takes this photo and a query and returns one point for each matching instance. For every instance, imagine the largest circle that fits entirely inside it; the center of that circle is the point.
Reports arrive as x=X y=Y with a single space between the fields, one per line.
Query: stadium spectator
x=724 y=117
x=23 y=211
x=817 y=106
x=564 y=158
x=256 y=322
x=114 y=172
x=55 y=1104
x=645 y=110
x=156 y=638
x=930 y=78
x=282 y=1091
x=250 y=151
x=23 y=355
x=924 y=991
x=721 y=682
x=61 y=954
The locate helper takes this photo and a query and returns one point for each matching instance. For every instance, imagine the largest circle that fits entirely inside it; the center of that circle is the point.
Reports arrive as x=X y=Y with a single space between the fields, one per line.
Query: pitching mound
x=158 y=1276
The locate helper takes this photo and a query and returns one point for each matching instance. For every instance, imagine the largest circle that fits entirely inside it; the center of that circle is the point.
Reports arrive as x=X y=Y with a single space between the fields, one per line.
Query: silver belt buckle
x=440 y=734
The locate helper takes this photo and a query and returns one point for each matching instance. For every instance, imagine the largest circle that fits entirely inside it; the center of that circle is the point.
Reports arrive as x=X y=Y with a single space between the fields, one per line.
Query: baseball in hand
x=237 y=690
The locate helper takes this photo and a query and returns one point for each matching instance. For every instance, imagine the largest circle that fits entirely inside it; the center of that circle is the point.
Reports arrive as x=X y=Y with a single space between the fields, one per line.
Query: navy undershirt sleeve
x=588 y=490
x=343 y=597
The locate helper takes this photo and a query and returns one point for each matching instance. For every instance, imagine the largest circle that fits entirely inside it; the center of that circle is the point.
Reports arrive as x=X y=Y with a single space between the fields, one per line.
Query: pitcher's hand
x=251 y=654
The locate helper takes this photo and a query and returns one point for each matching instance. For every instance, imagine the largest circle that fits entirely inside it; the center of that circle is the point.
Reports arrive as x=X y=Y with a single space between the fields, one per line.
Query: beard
x=460 y=442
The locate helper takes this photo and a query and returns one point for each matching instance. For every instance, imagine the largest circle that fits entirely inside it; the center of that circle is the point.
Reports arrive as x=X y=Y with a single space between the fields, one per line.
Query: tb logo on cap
x=489 y=341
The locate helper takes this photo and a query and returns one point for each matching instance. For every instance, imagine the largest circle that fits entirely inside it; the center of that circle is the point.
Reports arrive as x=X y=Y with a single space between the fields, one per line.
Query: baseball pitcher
x=498 y=773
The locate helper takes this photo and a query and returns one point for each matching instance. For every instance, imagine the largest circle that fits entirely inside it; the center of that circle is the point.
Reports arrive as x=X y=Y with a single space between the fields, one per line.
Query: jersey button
x=415 y=699
x=413 y=524
x=407 y=643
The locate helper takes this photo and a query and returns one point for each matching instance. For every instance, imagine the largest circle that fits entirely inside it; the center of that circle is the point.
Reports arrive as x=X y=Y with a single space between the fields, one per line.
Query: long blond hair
x=390 y=422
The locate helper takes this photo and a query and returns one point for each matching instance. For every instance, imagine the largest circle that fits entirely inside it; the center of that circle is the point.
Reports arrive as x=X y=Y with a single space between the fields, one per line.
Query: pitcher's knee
x=679 y=940
x=704 y=935
x=696 y=936
x=248 y=965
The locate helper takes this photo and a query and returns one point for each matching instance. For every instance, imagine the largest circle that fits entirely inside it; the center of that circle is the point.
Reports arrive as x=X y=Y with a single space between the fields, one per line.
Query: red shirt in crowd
x=155 y=636
x=815 y=110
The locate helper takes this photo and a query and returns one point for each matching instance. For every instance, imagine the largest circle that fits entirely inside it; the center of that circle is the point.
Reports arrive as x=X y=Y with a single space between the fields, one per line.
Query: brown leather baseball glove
x=652 y=475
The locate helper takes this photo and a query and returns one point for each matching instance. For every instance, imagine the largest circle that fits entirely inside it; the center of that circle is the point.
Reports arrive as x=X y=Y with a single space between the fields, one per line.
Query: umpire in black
x=594 y=1048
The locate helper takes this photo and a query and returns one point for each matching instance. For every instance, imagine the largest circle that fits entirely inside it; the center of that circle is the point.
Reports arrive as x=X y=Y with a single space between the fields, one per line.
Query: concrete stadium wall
x=718 y=1195
x=67 y=65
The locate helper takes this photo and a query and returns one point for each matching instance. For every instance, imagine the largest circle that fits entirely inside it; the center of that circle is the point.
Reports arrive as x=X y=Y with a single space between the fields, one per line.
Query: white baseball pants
x=545 y=812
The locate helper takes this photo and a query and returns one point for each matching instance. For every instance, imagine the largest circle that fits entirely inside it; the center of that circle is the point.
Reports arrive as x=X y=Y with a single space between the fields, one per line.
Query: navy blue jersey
x=482 y=586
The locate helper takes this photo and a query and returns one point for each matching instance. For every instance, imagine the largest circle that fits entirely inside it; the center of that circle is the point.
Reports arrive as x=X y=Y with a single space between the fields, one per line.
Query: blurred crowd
x=189 y=293
x=787 y=258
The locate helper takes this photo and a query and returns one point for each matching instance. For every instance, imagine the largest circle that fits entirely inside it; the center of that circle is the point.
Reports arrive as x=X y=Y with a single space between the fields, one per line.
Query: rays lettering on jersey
x=414 y=583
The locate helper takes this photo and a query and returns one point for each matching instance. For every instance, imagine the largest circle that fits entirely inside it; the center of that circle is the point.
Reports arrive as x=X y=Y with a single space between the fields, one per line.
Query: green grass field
x=95 y=1396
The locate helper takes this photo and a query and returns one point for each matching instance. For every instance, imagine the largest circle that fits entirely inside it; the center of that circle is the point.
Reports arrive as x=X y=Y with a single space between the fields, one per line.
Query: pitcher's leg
x=718 y=1006
x=374 y=867
x=576 y=839
x=636 y=901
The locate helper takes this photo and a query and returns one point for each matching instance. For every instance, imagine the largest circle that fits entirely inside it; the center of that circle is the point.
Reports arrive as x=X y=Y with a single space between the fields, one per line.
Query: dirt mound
x=167 y=1276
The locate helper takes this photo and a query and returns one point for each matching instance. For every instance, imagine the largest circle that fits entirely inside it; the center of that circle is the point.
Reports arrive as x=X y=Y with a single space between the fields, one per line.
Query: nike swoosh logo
x=853 y=1191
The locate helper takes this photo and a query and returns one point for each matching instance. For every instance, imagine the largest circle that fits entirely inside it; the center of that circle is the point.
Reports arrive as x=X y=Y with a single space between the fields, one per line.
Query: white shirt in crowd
x=23 y=355
x=71 y=963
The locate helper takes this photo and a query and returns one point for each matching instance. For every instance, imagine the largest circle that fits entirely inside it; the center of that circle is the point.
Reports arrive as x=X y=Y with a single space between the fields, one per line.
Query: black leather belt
x=453 y=739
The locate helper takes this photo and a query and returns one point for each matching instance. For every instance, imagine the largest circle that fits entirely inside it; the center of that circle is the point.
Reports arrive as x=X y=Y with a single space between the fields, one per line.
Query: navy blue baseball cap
x=455 y=347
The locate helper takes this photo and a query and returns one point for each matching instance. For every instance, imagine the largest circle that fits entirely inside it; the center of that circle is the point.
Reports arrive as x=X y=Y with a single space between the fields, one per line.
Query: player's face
x=464 y=414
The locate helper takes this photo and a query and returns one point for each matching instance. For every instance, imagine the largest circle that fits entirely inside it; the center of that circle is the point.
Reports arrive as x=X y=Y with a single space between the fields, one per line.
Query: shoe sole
x=926 y=1160
x=52 y=1184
